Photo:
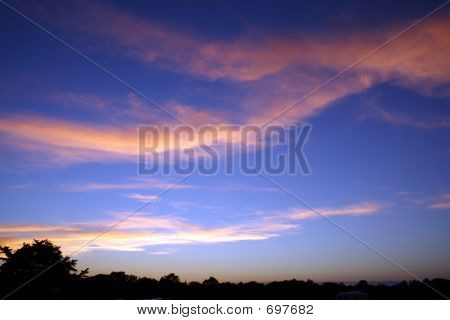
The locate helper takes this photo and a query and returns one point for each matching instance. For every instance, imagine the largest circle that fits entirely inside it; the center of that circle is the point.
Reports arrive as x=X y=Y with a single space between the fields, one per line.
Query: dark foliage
x=40 y=260
x=63 y=281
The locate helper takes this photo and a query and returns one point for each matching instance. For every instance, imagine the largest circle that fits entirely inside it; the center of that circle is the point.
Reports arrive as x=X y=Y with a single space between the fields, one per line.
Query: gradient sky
x=379 y=149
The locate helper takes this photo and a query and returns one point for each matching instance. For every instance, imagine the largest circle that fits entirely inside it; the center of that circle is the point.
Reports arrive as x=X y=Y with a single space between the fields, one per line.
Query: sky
x=378 y=150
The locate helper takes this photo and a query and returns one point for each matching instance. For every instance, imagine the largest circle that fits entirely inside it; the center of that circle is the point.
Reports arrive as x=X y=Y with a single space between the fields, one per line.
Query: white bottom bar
x=224 y=309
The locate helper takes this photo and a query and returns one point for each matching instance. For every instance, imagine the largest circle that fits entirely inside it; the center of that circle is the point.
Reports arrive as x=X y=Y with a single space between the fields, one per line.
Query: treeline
x=62 y=280
x=119 y=285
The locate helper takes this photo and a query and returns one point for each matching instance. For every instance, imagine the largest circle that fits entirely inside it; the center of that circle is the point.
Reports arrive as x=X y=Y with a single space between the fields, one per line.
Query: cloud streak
x=134 y=234
x=143 y=197
x=356 y=210
x=69 y=141
x=65 y=141
x=405 y=119
x=134 y=184
x=141 y=231
x=418 y=56
x=442 y=203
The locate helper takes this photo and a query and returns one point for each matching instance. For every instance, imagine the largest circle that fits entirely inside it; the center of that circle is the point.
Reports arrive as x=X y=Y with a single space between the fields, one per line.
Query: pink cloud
x=420 y=57
x=275 y=71
x=442 y=203
x=355 y=210
x=143 y=197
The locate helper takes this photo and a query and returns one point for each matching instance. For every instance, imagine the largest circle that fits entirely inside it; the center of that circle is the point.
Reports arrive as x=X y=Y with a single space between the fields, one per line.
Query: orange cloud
x=135 y=233
x=64 y=141
x=32 y=228
x=69 y=140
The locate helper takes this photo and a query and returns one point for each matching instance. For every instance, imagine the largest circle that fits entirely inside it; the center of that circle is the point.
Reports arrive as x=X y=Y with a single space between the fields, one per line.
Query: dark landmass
x=56 y=277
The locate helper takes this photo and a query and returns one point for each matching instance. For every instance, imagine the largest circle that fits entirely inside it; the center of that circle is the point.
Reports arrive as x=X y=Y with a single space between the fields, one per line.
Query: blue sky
x=378 y=150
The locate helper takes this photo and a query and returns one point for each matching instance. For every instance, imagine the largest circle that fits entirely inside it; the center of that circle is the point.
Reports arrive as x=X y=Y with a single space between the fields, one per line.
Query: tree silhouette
x=169 y=279
x=61 y=280
x=32 y=260
x=171 y=286
x=211 y=282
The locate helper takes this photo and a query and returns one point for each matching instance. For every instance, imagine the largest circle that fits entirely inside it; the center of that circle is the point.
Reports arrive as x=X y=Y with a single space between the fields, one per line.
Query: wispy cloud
x=273 y=70
x=67 y=142
x=21 y=186
x=414 y=198
x=81 y=100
x=355 y=210
x=183 y=205
x=238 y=187
x=443 y=202
x=141 y=231
x=278 y=69
x=406 y=119
x=135 y=184
x=132 y=108
x=415 y=57
x=33 y=228
x=136 y=233
x=143 y=197
x=426 y=201
x=162 y=252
